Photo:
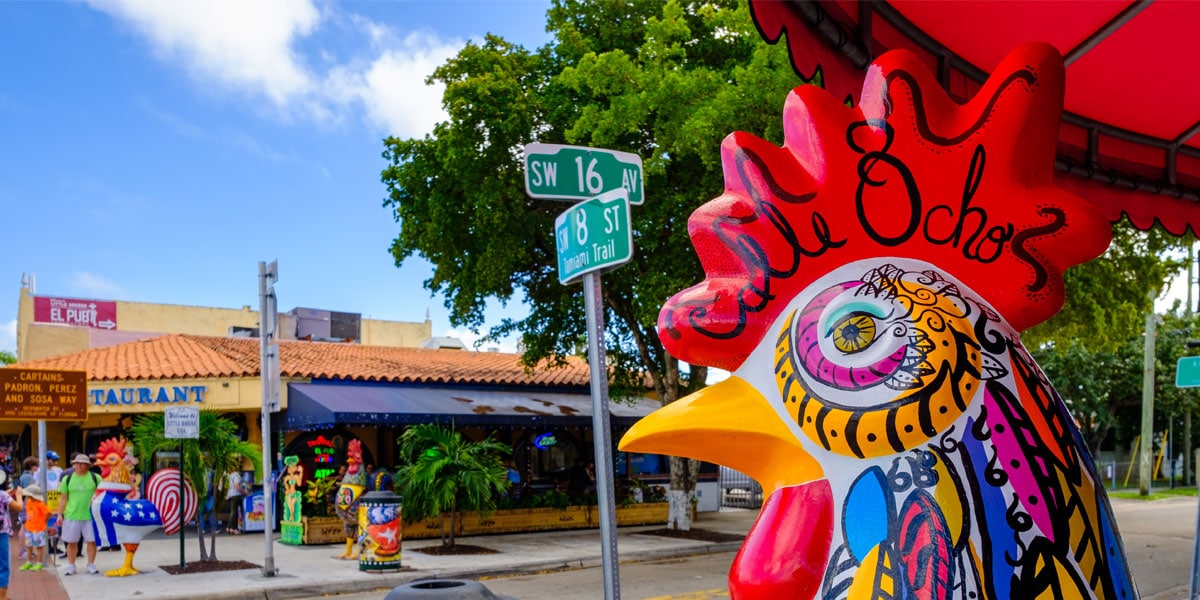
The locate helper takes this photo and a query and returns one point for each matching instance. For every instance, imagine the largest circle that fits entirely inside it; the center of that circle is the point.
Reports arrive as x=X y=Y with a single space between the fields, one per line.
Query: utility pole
x=1145 y=467
x=268 y=318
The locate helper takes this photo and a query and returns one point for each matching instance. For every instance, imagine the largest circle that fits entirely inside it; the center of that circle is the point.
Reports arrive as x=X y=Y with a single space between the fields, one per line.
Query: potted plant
x=321 y=526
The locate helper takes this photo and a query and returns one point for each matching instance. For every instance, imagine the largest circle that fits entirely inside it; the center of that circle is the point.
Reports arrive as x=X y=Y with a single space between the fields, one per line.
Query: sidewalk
x=313 y=570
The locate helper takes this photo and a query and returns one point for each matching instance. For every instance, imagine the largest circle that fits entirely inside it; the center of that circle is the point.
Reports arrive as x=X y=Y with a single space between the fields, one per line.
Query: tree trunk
x=453 y=517
x=682 y=496
x=200 y=518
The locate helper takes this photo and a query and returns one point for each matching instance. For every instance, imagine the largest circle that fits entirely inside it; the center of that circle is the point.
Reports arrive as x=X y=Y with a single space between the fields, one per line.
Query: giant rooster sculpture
x=119 y=516
x=866 y=285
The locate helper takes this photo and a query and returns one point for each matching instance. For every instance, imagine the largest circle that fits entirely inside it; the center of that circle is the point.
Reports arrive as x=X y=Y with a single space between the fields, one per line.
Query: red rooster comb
x=908 y=174
x=111 y=446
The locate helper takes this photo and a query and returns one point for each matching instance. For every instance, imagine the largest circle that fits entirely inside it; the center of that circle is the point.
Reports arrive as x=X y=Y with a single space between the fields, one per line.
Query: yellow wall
x=39 y=340
x=224 y=394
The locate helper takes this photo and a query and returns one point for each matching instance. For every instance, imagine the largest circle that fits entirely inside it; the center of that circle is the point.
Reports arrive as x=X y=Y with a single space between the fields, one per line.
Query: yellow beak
x=730 y=424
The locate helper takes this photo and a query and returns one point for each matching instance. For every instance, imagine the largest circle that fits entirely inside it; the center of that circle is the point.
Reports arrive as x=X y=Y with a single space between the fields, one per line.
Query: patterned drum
x=379 y=528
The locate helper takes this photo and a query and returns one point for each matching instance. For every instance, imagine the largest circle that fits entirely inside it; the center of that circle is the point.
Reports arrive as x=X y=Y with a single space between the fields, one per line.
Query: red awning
x=1130 y=136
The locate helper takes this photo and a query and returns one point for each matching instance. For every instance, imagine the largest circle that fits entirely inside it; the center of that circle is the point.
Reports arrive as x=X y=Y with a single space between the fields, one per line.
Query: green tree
x=217 y=451
x=7 y=358
x=1107 y=299
x=1098 y=384
x=664 y=80
x=444 y=472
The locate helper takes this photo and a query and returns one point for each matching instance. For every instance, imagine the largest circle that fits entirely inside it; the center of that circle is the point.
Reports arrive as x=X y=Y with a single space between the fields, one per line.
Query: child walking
x=36 y=513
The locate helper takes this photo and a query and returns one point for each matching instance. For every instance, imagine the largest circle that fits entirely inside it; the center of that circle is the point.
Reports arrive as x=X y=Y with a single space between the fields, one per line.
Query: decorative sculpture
x=118 y=516
x=348 y=494
x=291 y=527
x=866 y=285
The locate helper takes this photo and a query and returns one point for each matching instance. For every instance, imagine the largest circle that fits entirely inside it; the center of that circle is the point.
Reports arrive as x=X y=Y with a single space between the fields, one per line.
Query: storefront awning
x=322 y=405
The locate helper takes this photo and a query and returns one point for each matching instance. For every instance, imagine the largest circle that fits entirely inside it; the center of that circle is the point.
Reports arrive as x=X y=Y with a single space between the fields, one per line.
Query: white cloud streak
x=253 y=49
x=90 y=285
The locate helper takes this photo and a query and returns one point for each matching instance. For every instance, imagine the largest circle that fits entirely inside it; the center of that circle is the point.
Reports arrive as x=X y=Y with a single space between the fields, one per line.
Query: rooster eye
x=853 y=332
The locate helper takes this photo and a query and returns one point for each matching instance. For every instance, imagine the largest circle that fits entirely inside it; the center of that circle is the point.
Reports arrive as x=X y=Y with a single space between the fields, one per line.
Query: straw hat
x=81 y=458
x=34 y=492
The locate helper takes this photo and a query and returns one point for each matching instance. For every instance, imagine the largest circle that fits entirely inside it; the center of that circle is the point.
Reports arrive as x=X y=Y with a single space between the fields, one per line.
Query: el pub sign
x=97 y=314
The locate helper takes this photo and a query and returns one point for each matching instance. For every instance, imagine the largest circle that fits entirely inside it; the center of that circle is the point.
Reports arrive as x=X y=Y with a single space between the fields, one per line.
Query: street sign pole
x=601 y=434
x=592 y=236
x=268 y=274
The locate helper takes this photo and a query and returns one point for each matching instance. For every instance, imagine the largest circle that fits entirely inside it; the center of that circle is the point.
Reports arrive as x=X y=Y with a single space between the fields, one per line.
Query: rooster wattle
x=866 y=286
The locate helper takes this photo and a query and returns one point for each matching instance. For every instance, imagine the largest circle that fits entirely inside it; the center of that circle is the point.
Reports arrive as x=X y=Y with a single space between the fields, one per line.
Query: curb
x=386 y=581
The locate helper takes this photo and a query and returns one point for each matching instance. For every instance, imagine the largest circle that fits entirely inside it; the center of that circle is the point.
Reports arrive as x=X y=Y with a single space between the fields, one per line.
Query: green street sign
x=563 y=172
x=1187 y=373
x=594 y=234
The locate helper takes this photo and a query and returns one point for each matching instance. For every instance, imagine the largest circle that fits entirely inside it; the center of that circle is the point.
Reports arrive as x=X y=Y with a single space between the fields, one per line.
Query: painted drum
x=380 y=532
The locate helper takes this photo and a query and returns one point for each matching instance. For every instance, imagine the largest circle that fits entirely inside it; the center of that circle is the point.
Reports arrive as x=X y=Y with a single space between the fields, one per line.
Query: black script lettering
x=941 y=225
x=866 y=165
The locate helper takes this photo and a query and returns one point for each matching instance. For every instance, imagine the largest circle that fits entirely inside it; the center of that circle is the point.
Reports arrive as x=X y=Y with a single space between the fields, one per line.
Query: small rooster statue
x=118 y=515
x=348 y=494
x=866 y=286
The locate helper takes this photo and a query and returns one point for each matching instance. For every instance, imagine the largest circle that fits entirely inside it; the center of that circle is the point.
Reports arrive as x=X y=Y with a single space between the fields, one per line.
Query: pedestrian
x=378 y=480
x=9 y=501
x=53 y=476
x=75 y=511
x=35 y=527
x=28 y=468
x=234 y=491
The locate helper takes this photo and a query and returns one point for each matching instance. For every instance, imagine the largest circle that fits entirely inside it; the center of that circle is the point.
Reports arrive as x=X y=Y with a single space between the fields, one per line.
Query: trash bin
x=379 y=532
x=444 y=589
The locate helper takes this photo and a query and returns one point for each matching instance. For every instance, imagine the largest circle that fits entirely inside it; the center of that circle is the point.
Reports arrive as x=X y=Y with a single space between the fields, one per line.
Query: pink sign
x=100 y=314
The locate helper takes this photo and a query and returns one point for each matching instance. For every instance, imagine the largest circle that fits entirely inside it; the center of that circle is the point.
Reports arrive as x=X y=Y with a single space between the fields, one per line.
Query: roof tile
x=180 y=356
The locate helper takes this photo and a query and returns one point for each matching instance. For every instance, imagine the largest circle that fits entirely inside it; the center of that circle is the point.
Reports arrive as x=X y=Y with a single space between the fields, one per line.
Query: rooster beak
x=729 y=423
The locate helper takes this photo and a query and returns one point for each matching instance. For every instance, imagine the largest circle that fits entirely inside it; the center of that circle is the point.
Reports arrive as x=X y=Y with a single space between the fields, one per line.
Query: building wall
x=136 y=320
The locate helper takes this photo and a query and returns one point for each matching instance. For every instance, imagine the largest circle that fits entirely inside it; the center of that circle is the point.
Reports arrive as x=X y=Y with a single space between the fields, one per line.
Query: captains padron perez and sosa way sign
x=33 y=394
x=595 y=233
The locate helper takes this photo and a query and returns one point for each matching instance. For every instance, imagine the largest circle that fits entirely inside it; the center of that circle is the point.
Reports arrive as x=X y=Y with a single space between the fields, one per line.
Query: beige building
x=54 y=325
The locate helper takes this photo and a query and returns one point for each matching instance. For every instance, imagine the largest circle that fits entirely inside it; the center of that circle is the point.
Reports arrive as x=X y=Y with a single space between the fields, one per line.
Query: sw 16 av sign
x=36 y=395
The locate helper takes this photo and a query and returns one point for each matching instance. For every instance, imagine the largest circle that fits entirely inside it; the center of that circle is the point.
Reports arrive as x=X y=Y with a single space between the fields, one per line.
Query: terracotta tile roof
x=192 y=356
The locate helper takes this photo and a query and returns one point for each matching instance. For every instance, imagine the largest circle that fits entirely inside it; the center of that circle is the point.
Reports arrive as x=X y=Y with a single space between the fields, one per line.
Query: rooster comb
x=112 y=446
x=909 y=173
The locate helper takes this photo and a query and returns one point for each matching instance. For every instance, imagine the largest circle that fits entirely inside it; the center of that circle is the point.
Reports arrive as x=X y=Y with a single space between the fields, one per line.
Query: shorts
x=72 y=531
x=5 y=566
x=35 y=539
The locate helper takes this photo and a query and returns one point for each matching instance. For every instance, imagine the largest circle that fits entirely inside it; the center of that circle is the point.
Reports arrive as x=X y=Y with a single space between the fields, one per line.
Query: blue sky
x=156 y=151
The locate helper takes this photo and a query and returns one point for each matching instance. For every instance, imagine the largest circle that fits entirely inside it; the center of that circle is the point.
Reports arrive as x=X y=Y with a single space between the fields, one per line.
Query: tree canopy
x=663 y=80
x=666 y=81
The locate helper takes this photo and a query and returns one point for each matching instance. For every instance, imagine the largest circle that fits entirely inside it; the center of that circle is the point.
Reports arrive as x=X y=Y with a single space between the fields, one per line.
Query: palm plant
x=217 y=451
x=444 y=472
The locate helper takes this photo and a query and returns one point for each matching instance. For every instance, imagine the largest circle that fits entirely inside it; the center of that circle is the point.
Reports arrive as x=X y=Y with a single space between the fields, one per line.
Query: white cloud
x=89 y=285
x=244 y=45
x=392 y=88
x=8 y=336
x=254 y=48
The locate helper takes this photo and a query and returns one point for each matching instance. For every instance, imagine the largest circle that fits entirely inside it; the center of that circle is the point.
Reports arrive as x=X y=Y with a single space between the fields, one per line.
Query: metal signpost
x=1187 y=375
x=268 y=318
x=591 y=236
x=181 y=423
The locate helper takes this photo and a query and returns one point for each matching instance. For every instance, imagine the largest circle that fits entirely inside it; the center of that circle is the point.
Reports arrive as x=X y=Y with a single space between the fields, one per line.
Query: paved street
x=1158 y=540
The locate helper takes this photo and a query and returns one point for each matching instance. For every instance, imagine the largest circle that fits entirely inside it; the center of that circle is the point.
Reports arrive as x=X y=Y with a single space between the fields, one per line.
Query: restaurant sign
x=37 y=395
x=97 y=314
